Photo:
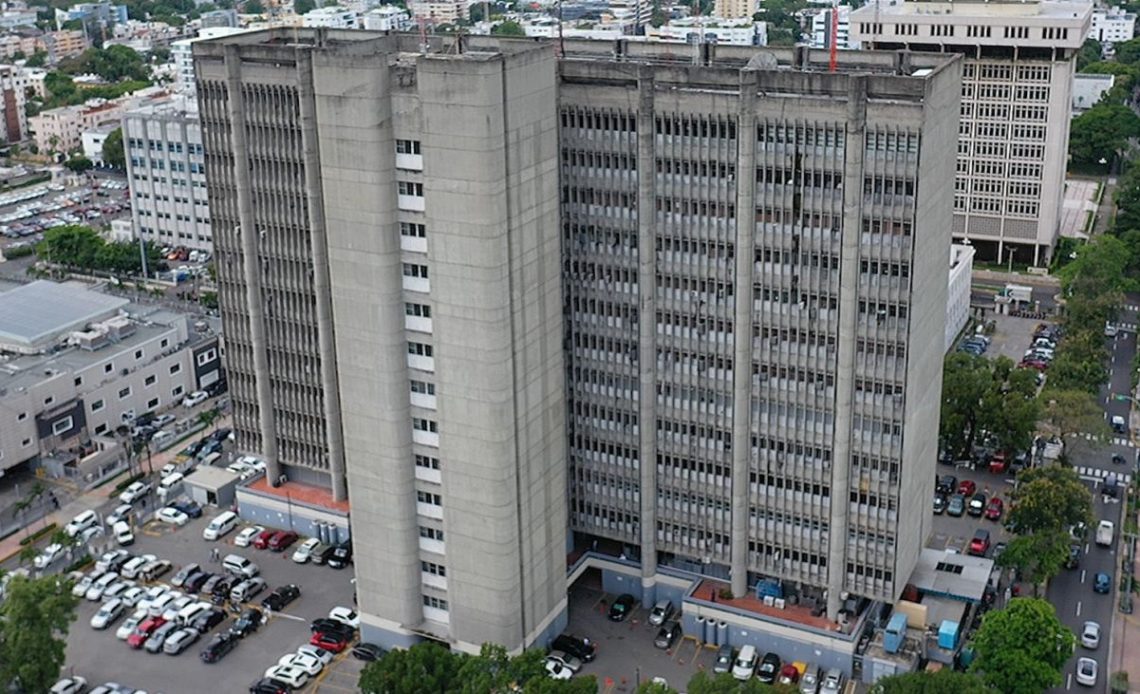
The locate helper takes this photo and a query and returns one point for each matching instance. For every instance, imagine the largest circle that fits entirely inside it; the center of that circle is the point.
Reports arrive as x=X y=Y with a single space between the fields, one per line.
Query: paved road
x=1071 y=592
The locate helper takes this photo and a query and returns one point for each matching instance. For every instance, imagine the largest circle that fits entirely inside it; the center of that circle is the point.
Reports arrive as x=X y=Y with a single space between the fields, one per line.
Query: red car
x=263 y=537
x=998 y=463
x=281 y=540
x=143 y=631
x=1034 y=364
x=967 y=487
x=330 y=642
x=980 y=544
x=994 y=510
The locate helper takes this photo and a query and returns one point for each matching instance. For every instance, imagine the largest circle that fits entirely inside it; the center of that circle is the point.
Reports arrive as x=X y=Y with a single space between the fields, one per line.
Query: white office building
x=388 y=18
x=332 y=17
x=167 y=176
x=821 y=23
x=1112 y=25
x=958 y=291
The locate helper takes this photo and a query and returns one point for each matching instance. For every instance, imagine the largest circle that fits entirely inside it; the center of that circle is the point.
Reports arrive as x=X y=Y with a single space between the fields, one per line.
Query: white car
x=131 y=568
x=122 y=512
x=173 y=516
x=245 y=537
x=129 y=625
x=558 y=671
x=132 y=596
x=133 y=493
x=108 y=614
x=86 y=536
x=346 y=616
x=1086 y=672
x=81 y=586
x=115 y=590
x=69 y=685
x=159 y=605
x=565 y=660
x=83 y=521
x=48 y=557
x=95 y=592
x=305 y=551
x=196 y=398
x=173 y=608
x=1090 y=635
x=114 y=557
x=167 y=470
x=292 y=676
x=152 y=595
x=164 y=419
x=316 y=652
x=311 y=665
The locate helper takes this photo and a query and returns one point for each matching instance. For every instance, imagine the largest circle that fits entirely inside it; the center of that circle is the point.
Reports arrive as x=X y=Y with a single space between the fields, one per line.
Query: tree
x=113 y=154
x=71 y=245
x=208 y=417
x=1022 y=648
x=1090 y=53
x=1050 y=498
x=37 y=59
x=508 y=27
x=1074 y=411
x=944 y=681
x=254 y=7
x=34 y=619
x=1037 y=557
x=991 y=396
x=425 y=667
x=1128 y=52
x=1101 y=133
x=79 y=163
x=304 y=6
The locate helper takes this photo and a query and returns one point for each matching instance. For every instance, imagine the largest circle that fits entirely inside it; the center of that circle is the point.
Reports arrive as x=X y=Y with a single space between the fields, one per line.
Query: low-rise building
x=215 y=19
x=166 y=174
x=438 y=11
x=821 y=30
x=735 y=32
x=61 y=129
x=93 y=140
x=1088 y=89
x=333 y=17
x=103 y=13
x=388 y=18
x=958 y=291
x=63 y=44
x=1112 y=25
x=76 y=363
x=182 y=57
x=10 y=19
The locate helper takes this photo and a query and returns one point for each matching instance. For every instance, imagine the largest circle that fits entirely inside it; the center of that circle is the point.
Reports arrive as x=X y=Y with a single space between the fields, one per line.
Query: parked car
x=154 y=643
x=189 y=507
x=367 y=652
x=194 y=583
x=134 y=492
x=832 y=682
x=723 y=661
x=134 y=567
x=247 y=623
x=579 y=647
x=130 y=624
x=218 y=647
x=173 y=516
x=557 y=671
x=980 y=543
x=280 y=597
x=947 y=484
x=330 y=641
x=809 y=680
x=956 y=505
x=667 y=635
x=661 y=612
x=122 y=513
x=208 y=620
x=247 y=535
x=939 y=503
x=994 y=509
x=769 y=668
x=262 y=539
x=346 y=616
x=341 y=556
x=967 y=488
x=1086 y=672
x=48 y=556
x=305 y=550
x=108 y=614
x=977 y=505
x=69 y=685
x=566 y=660
x=1074 y=559
x=622 y=607
x=184 y=573
x=1090 y=635
x=194 y=399
x=180 y=641
x=281 y=540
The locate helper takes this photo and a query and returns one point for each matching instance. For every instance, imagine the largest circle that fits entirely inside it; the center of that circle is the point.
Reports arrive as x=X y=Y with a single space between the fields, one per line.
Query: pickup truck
x=1105 y=531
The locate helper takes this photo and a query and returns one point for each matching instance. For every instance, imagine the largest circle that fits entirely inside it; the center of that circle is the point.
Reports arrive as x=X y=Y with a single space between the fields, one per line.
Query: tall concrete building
x=673 y=317
x=1017 y=81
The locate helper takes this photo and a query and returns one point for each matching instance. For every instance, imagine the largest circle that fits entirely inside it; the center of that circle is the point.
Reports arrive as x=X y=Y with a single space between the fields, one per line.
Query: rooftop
x=952 y=575
x=33 y=315
x=709 y=590
x=1047 y=9
x=300 y=493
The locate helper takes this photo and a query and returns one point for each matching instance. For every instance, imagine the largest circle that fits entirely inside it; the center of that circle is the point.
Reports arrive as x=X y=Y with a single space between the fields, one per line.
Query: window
x=417 y=310
x=419 y=349
x=429 y=498
x=425 y=425
x=175 y=368
x=426 y=461
x=164 y=344
x=152 y=403
x=437 y=603
x=412 y=229
x=410 y=188
x=108 y=367
x=414 y=270
x=49 y=399
x=102 y=428
x=434 y=569
x=138 y=354
x=60 y=426
x=124 y=392
x=207 y=357
x=26 y=442
x=423 y=387
x=24 y=415
x=407 y=147
x=431 y=533
x=97 y=405
x=78 y=381
x=176 y=391
x=149 y=380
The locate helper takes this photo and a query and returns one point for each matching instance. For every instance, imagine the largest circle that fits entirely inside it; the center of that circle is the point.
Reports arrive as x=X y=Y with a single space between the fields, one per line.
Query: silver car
x=832 y=682
x=180 y=641
x=661 y=612
x=809 y=683
x=723 y=662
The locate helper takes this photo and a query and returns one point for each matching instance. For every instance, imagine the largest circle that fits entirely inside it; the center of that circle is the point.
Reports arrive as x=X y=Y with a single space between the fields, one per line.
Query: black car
x=667 y=634
x=322 y=553
x=1074 y=559
x=280 y=597
x=268 y=685
x=220 y=435
x=208 y=620
x=216 y=388
x=247 y=623
x=367 y=652
x=331 y=626
x=769 y=668
x=1117 y=459
x=579 y=647
x=218 y=647
x=939 y=503
x=947 y=484
x=622 y=607
x=196 y=581
x=190 y=508
x=221 y=590
x=340 y=557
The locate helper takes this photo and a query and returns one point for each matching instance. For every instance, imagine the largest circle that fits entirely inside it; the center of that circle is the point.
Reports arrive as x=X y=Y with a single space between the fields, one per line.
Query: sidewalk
x=1125 y=631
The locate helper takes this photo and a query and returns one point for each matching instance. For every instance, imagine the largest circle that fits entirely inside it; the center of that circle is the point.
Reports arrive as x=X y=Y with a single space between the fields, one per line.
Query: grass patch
x=49 y=528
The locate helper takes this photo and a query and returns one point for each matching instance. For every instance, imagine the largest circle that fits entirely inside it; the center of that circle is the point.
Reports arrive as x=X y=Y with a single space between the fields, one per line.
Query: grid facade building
x=691 y=306
x=1017 y=82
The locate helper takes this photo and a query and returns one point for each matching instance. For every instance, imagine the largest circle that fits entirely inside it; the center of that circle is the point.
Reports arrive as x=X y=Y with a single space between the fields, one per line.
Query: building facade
x=734 y=9
x=438 y=11
x=1014 y=130
x=958 y=291
x=61 y=129
x=1089 y=89
x=821 y=21
x=1112 y=25
x=396 y=311
x=166 y=172
x=332 y=17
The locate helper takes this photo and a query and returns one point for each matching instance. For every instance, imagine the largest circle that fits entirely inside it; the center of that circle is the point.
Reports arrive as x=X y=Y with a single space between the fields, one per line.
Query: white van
x=188 y=614
x=170 y=483
x=123 y=534
x=220 y=526
x=211 y=459
x=240 y=566
x=745 y=663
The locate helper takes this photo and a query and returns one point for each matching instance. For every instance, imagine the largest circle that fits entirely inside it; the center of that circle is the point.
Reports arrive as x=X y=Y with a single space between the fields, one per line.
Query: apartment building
x=1112 y=25
x=734 y=9
x=387 y=18
x=438 y=11
x=76 y=363
x=166 y=172
x=821 y=31
x=333 y=17
x=728 y=369
x=394 y=311
x=61 y=129
x=1014 y=130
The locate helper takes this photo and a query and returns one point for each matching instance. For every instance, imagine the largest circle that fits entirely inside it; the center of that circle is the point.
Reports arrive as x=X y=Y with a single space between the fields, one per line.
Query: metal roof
x=952 y=575
x=33 y=315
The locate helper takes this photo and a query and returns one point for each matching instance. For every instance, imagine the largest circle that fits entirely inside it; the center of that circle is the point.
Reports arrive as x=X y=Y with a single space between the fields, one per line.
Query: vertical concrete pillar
x=742 y=327
x=250 y=236
x=318 y=241
x=647 y=327
x=845 y=366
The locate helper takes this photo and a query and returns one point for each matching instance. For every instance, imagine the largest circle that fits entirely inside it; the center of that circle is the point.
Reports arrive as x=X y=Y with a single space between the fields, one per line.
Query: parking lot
x=100 y=657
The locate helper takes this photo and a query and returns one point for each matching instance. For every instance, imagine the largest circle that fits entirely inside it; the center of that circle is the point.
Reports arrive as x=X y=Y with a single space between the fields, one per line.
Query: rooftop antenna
x=833 y=59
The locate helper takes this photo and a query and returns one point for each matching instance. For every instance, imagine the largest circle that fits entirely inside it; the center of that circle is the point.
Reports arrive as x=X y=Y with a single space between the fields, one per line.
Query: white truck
x=1105 y=531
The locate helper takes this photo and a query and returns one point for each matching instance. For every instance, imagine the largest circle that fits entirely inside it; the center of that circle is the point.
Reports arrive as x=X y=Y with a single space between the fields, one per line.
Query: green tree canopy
x=1038 y=557
x=254 y=7
x=1102 y=132
x=508 y=27
x=79 y=163
x=1021 y=649
x=304 y=6
x=944 y=681
x=986 y=396
x=1049 y=498
x=37 y=59
x=1073 y=412
x=1128 y=52
x=34 y=620
x=114 y=64
x=725 y=683
x=113 y=154
x=81 y=247
x=1090 y=53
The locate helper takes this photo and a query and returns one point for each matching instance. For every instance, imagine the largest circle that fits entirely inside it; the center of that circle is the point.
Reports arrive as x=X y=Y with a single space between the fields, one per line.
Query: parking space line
x=681 y=647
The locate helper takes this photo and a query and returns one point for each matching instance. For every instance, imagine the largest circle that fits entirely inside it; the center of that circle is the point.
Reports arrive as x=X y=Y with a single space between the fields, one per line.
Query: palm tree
x=209 y=417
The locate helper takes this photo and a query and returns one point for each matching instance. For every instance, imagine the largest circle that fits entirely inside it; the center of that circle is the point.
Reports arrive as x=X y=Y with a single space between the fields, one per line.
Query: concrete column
x=647 y=328
x=249 y=236
x=318 y=239
x=845 y=366
x=742 y=327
